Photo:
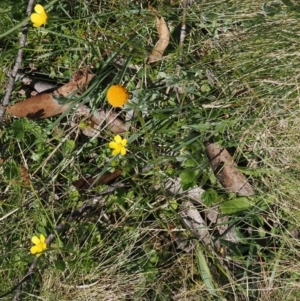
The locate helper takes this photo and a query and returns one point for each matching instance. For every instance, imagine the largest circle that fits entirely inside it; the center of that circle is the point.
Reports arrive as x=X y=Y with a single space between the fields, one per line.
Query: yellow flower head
x=38 y=18
x=40 y=245
x=118 y=146
x=117 y=95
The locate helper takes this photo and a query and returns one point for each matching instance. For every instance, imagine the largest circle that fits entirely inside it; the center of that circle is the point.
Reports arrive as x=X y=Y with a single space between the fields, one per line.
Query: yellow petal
x=124 y=142
x=118 y=138
x=43 y=247
x=116 y=152
x=35 y=240
x=35 y=249
x=36 y=25
x=113 y=145
x=44 y=16
x=123 y=151
x=39 y=18
x=39 y=9
x=36 y=20
x=42 y=239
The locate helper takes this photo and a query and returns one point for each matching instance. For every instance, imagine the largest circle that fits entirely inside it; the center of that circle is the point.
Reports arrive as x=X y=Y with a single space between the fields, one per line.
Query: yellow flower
x=40 y=245
x=38 y=18
x=117 y=95
x=118 y=145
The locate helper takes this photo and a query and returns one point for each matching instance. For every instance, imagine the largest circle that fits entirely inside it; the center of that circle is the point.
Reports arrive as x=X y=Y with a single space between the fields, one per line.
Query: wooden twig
x=18 y=62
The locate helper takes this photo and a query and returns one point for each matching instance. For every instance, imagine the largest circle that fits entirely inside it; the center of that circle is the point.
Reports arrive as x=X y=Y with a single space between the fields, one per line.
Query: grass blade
x=205 y=272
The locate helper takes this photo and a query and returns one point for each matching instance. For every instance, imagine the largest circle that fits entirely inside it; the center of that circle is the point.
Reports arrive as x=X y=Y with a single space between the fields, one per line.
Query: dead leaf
x=44 y=105
x=195 y=222
x=174 y=187
x=114 y=123
x=36 y=107
x=24 y=175
x=164 y=38
x=226 y=172
x=222 y=226
x=39 y=85
x=86 y=183
x=79 y=82
x=99 y=120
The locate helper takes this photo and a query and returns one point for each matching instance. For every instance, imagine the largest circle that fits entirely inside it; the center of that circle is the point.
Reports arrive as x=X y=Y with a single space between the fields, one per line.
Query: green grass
x=239 y=88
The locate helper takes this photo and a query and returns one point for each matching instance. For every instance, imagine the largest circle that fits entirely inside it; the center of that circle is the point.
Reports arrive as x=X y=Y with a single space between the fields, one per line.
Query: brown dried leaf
x=222 y=226
x=164 y=38
x=100 y=120
x=195 y=222
x=226 y=172
x=86 y=183
x=79 y=82
x=114 y=123
x=44 y=105
x=36 y=107
x=24 y=175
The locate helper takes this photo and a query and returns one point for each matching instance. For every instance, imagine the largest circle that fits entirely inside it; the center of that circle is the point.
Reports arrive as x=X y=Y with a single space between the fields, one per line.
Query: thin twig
x=24 y=280
x=18 y=62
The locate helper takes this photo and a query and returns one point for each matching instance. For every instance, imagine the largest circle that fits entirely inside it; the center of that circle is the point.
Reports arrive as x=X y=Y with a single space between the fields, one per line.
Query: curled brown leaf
x=94 y=181
x=164 y=38
x=226 y=170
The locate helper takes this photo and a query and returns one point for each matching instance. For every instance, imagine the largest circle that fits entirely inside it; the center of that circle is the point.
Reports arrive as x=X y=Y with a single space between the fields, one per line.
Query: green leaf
x=11 y=170
x=150 y=271
x=68 y=146
x=205 y=88
x=188 y=178
x=210 y=196
x=205 y=272
x=19 y=128
x=154 y=258
x=60 y=265
x=236 y=205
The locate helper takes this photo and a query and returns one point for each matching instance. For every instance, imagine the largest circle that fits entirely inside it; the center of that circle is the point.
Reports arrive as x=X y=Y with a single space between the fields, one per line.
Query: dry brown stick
x=18 y=62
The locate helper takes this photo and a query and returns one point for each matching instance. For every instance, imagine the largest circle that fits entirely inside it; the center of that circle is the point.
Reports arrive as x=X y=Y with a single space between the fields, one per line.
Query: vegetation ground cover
x=237 y=86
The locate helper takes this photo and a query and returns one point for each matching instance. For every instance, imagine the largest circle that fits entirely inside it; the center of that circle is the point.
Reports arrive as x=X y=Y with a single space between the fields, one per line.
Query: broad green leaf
x=236 y=205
